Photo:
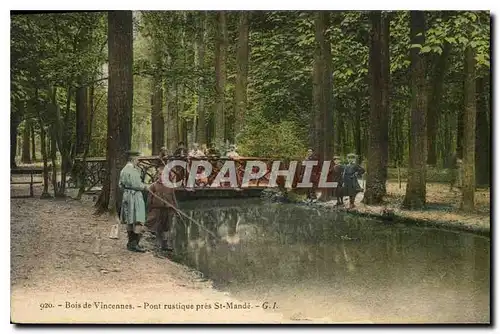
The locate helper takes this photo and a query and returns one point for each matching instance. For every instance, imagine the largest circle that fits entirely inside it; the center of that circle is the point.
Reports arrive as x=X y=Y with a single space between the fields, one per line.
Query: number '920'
x=45 y=306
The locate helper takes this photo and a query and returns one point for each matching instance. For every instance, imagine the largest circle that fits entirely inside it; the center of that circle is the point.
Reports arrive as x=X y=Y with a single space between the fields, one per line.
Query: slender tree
x=323 y=118
x=242 y=53
x=157 y=118
x=15 y=119
x=322 y=88
x=482 y=134
x=435 y=102
x=172 y=110
x=120 y=97
x=460 y=133
x=81 y=118
x=386 y=95
x=469 y=141
x=33 y=138
x=378 y=135
x=416 y=185
x=220 y=76
x=199 y=45
x=201 y=128
x=26 y=156
x=43 y=145
x=181 y=88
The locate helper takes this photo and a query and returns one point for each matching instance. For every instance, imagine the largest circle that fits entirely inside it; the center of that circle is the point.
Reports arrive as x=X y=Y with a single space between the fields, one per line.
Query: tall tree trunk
x=220 y=77
x=82 y=112
x=339 y=134
x=201 y=128
x=63 y=140
x=416 y=185
x=434 y=106
x=357 y=130
x=82 y=93
x=314 y=127
x=322 y=93
x=26 y=156
x=469 y=142
x=43 y=149
x=322 y=88
x=376 y=164
x=398 y=138
x=157 y=118
x=448 y=125
x=327 y=83
x=183 y=128
x=120 y=98
x=15 y=120
x=460 y=133
x=240 y=91
x=33 y=147
x=482 y=135
x=53 y=157
x=88 y=138
x=386 y=108
x=183 y=122
x=172 y=117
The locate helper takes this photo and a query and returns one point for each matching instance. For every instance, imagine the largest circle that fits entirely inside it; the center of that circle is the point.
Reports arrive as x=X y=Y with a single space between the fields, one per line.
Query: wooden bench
x=26 y=171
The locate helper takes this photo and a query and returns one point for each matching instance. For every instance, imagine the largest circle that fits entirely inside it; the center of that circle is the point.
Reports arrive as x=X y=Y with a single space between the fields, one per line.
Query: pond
x=322 y=264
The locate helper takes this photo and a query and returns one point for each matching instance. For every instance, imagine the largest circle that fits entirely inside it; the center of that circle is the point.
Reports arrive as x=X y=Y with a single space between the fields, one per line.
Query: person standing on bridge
x=163 y=153
x=212 y=151
x=232 y=152
x=338 y=170
x=196 y=152
x=351 y=185
x=311 y=194
x=133 y=209
x=161 y=210
x=181 y=150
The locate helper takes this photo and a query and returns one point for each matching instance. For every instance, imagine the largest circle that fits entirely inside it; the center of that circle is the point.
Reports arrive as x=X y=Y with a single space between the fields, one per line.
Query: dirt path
x=61 y=255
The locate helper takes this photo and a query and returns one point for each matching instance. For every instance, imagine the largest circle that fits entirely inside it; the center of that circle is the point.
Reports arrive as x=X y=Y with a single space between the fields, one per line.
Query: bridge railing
x=95 y=169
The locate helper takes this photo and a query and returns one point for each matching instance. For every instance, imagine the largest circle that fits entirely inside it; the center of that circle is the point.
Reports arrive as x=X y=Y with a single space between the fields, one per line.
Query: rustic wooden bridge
x=94 y=171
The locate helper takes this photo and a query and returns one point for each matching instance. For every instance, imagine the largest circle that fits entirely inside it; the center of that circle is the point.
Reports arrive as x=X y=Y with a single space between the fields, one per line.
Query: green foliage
x=69 y=50
x=462 y=29
x=261 y=138
x=280 y=83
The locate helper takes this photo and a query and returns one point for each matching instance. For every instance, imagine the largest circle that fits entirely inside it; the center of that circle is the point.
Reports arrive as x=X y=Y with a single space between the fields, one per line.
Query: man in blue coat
x=350 y=178
x=133 y=209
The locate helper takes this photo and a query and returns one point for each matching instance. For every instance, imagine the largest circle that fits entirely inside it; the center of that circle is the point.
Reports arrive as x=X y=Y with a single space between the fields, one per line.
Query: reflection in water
x=324 y=264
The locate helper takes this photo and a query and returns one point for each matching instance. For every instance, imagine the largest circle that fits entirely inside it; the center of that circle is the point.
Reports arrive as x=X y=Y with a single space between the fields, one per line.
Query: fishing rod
x=179 y=212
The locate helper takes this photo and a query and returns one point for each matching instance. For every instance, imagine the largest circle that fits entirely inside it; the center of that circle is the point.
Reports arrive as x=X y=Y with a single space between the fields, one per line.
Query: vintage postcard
x=302 y=167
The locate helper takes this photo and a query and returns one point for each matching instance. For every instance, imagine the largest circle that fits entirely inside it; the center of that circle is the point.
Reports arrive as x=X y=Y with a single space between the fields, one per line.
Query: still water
x=320 y=264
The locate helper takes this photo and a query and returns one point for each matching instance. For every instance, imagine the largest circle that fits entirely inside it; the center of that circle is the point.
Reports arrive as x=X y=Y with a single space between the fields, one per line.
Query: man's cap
x=336 y=157
x=351 y=155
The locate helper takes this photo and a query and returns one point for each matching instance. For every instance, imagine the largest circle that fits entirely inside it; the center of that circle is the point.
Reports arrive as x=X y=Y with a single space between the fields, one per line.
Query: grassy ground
x=443 y=207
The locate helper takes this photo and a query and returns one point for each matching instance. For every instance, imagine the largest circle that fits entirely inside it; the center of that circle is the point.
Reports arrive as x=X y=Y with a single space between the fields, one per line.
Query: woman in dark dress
x=338 y=171
x=351 y=185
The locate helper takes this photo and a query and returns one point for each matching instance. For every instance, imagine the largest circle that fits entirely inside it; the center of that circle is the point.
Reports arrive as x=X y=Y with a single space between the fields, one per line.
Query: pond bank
x=442 y=209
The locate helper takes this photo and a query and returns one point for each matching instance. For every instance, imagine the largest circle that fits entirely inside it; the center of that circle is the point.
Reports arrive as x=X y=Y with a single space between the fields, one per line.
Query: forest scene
x=406 y=93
